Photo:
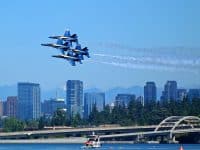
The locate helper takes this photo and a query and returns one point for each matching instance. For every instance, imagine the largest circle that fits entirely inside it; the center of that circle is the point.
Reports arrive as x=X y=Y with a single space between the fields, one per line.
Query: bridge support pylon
x=172 y=139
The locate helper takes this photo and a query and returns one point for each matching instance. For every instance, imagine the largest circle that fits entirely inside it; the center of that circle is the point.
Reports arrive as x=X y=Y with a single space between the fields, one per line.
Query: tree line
x=132 y=114
x=150 y=114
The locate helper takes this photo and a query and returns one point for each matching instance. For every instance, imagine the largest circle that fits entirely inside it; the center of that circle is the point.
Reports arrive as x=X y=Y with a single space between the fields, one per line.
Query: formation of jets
x=69 y=47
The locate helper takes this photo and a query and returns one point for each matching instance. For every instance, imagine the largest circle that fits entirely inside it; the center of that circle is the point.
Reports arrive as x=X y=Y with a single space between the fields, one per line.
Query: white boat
x=93 y=141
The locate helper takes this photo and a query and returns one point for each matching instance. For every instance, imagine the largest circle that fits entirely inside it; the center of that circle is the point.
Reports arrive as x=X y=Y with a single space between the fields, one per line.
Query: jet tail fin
x=85 y=49
x=74 y=36
x=67 y=33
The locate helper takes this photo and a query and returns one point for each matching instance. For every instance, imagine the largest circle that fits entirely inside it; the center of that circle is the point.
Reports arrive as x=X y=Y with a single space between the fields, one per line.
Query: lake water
x=104 y=147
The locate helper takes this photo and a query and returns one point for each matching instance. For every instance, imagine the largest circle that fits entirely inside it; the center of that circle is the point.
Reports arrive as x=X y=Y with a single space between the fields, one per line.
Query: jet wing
x=55 y=37
x=71 y=61
x=60 y=46
x=64 y=56
x=59 y=56
x=48 y=44
x=51 y=45
x=58 y=37
x=55 y=46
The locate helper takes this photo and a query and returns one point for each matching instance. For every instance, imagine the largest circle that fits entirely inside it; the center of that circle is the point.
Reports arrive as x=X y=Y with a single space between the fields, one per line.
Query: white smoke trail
x=156 y=60
x=177 y=58
x=178 y=51
x=145 y=66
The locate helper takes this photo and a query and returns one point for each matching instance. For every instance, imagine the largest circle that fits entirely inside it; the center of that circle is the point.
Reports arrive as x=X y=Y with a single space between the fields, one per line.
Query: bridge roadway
x=75 y=131
x=152 y=133
x=104 y=132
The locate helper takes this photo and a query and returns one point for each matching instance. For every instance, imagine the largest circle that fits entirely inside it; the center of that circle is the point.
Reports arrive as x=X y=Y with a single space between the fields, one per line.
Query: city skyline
x=60 y=92
x=133 y=42
x=110 y=94
x=28 y=105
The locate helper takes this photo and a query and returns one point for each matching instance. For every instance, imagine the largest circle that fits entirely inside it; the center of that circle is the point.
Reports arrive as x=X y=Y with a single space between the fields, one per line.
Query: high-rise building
x=162 y=97
x=29 y=106
x=1 y=108
x=91 y=100
x=11 y=106
x=74 y=97
x=149 y=92
x=124 y=99
x=50 y=106
x=140 y=99
x=170 y=91
x=193 y=93
x=4 y=108
x=181 y=94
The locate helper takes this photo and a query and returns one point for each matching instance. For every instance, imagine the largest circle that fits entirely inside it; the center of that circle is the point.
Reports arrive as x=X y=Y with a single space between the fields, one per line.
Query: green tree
x=76 y=120
x=12 y=125
x=185 y=107
x=32 y=124
x=59 y=118
x=136 y=112
x=105 y=115
x=119 y=115
x=195 y=107
x=94 y=116
x=42 y=122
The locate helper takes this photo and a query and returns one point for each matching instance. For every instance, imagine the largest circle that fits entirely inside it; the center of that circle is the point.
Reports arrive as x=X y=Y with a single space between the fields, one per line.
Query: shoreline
x=71 y=140
x=45 y=141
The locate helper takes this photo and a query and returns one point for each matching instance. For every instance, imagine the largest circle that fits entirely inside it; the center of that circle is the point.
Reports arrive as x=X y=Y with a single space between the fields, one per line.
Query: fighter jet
x=66 y=37
x=70 y=51
x=80 y=51
x=71 y=59
x=59 y=45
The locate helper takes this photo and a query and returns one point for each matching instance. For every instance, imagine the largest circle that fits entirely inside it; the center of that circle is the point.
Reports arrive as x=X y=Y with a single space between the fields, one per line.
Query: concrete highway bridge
x=76 y=131
x=169 y=127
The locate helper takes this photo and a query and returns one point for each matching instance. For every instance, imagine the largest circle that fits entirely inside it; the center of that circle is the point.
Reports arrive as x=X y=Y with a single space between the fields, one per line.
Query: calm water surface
x=104 y=147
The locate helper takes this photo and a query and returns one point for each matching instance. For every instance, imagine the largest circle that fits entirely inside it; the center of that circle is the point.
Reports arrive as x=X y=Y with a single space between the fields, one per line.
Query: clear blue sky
x=107 y=27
